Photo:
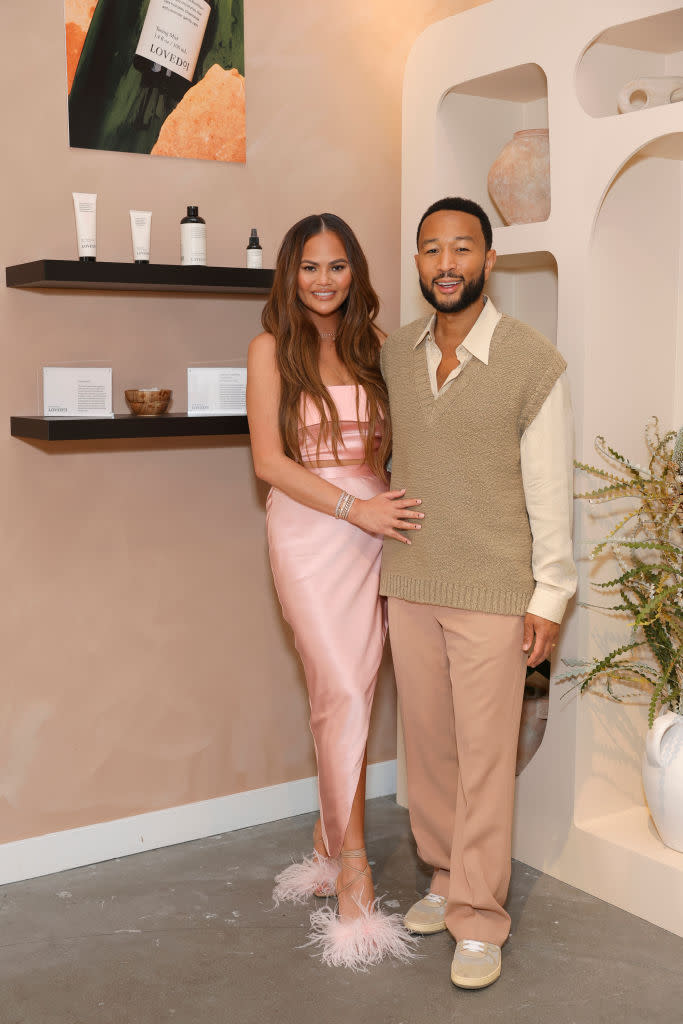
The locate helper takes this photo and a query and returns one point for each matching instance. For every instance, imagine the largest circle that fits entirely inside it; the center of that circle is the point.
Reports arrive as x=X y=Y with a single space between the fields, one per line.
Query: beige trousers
x=460 y=678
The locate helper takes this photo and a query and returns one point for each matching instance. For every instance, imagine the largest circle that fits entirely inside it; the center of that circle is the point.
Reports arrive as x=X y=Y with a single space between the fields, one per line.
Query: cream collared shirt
x=546 y=452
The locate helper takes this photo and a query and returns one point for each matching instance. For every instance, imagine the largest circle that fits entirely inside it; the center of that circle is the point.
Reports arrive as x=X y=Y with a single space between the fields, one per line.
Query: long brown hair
x=297 y=344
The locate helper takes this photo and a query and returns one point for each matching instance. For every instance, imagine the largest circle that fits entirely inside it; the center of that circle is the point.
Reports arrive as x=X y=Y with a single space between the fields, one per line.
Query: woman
x=318 y=417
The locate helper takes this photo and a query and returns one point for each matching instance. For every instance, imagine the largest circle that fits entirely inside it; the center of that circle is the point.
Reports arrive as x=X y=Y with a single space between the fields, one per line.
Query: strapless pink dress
x=326 y=573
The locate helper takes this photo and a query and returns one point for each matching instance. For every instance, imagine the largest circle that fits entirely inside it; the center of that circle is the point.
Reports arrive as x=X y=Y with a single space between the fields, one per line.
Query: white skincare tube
x=85 y=208
x=141 y=228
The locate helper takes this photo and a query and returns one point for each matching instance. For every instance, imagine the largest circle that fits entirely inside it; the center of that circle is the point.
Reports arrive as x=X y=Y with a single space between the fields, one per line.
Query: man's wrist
x=548 y=603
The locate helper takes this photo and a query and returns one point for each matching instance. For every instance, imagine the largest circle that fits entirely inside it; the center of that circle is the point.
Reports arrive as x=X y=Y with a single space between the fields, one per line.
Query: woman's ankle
x=318 y=841
x=355 y=889
x=353 y=850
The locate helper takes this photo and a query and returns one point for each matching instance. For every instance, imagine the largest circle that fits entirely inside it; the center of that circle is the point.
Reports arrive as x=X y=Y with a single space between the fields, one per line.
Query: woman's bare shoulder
x=262 y=352
x=262 y=344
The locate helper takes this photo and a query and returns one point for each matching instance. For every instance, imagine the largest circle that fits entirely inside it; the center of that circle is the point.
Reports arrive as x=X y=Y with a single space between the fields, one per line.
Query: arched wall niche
x=474 y=121
x=525 y=285
x=635 y=328
x=650 y=46
x=634 y=340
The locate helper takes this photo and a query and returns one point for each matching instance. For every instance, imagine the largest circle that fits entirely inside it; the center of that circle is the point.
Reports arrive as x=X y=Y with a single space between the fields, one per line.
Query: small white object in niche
x=217 y=391
x=77 y=391
x=649 y=92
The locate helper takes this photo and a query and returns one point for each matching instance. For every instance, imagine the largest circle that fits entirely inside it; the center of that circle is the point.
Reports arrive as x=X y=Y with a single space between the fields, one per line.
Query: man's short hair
x=460 y=206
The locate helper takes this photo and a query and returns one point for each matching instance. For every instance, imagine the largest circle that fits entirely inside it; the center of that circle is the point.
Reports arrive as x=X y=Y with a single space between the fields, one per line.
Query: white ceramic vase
x=663 y=777
x=519 y=179
x=640 y=93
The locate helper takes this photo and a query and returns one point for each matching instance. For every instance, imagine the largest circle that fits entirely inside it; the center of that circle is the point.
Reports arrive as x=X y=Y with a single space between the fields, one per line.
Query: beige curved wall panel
x=609 y=296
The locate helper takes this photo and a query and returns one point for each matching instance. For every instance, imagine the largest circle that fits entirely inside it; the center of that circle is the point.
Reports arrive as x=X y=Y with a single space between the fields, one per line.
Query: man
x=482 y=434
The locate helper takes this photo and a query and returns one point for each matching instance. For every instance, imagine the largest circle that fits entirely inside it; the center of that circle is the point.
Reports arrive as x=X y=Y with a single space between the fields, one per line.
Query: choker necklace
x=327 y=334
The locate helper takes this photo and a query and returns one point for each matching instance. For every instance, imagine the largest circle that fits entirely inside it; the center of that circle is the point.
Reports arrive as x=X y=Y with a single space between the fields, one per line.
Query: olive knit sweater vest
x=460 y=453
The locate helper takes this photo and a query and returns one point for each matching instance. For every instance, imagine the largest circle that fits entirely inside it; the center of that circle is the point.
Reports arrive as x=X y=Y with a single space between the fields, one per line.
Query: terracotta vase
x=519 y=179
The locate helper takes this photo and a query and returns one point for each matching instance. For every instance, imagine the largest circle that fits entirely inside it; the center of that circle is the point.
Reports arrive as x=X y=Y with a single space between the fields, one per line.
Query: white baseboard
x=73 y=848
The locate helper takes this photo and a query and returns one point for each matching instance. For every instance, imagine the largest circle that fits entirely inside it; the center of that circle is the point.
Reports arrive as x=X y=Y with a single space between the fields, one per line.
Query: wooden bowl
x=148 y=401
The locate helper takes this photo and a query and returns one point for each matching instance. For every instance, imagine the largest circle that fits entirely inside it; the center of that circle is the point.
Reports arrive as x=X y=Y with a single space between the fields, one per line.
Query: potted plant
x=647 y=545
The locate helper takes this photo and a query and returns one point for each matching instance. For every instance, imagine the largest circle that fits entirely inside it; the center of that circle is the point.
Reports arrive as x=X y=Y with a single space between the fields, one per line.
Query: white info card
x=77 y=391
x=217 y=391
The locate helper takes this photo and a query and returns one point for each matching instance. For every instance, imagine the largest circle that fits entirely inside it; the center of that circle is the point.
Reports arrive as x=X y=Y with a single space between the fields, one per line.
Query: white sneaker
x=427 y=916
x=475 y=964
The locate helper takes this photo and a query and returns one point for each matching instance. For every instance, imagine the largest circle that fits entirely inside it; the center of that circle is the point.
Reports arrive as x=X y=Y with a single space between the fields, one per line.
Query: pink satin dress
x=326 y=573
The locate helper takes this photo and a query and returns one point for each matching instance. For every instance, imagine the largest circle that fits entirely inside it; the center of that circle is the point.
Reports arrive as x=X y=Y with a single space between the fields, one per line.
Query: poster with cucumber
x=164 y=77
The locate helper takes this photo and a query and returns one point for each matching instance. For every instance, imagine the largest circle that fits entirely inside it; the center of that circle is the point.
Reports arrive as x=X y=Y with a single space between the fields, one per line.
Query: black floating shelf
x=62 y=428
x=149 y=277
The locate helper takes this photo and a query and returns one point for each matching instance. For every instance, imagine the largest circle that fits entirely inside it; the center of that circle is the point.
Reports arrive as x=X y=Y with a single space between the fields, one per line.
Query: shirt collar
x=478 y=341
x=428 y=331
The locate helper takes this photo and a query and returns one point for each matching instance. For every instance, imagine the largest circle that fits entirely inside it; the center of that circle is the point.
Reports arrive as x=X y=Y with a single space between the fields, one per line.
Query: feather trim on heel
x=313 y=876
x=362 y=942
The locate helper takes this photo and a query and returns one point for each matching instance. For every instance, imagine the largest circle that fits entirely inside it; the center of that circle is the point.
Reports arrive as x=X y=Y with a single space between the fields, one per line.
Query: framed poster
x=164 y=77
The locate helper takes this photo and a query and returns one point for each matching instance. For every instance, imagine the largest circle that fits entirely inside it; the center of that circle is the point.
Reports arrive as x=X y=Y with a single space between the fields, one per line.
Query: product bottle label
x=193 y=245
x=172 y=34
x=254 y=259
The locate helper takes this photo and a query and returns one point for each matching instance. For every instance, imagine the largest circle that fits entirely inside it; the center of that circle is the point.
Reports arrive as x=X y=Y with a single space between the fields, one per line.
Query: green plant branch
x=650 y=592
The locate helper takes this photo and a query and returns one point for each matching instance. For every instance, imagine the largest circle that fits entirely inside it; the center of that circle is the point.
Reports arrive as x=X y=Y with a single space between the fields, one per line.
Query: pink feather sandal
x=362 y=941
x=313 y=876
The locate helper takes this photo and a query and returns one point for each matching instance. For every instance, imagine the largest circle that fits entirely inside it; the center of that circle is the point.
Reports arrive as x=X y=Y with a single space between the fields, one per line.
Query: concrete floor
x=186 y=935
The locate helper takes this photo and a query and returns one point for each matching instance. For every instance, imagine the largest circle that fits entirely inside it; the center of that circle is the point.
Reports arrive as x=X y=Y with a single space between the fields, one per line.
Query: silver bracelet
x=344 y=514
x=342 y=498
x=344 y=504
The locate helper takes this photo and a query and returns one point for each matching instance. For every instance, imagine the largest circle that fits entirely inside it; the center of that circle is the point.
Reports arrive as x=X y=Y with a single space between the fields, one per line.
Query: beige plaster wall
x=144 y=662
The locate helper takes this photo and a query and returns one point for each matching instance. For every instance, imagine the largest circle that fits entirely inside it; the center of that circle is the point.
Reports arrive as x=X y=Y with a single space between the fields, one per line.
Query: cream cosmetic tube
x=141 y=228
x=85 y=208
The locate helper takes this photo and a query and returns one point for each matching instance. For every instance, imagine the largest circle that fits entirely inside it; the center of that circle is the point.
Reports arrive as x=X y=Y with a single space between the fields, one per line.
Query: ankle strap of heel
x=353 y=854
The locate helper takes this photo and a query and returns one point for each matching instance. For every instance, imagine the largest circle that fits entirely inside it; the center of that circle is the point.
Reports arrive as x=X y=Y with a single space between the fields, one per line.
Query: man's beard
x=470 y=293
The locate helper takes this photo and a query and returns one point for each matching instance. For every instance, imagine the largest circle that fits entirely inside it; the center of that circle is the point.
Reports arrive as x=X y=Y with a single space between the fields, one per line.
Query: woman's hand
x=386 y=514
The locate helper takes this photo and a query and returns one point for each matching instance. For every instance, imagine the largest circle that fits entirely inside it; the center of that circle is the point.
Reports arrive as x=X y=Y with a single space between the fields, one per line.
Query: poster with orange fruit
x=164 y=77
